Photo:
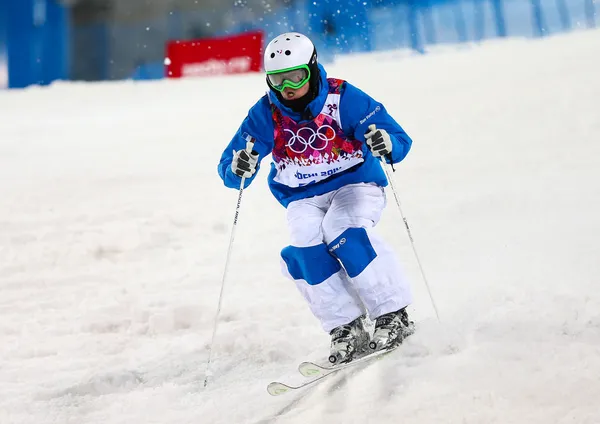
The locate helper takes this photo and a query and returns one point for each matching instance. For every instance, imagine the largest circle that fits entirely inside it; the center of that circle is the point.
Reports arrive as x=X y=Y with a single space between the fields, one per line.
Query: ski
x=277 y=388
x=318 y=372
x=311 y=369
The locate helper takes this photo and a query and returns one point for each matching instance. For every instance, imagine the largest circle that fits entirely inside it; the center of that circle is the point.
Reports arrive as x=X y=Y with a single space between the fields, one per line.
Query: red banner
x=215 y=56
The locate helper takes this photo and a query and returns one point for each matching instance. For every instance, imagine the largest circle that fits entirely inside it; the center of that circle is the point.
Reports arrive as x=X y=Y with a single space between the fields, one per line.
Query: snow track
x=114 y=227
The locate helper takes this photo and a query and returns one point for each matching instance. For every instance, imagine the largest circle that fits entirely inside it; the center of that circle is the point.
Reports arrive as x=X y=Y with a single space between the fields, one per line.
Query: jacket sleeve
x=358 y=110
x=258 y=124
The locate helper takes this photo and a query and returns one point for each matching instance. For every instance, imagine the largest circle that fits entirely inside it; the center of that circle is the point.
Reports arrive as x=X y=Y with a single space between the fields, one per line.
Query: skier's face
x=292 y=94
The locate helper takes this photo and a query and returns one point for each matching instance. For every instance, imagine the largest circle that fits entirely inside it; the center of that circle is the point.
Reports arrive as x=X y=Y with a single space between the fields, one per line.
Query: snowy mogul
x=326 y=138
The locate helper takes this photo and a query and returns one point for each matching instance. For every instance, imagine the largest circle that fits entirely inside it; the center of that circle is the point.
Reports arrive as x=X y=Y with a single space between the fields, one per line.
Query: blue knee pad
x=353 y=248
x=313 y=264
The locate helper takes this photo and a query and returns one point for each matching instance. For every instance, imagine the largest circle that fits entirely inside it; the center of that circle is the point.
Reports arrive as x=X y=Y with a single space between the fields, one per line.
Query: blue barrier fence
x=3 y=42
x=56 y=49
x=37 y=41
x=350 y=26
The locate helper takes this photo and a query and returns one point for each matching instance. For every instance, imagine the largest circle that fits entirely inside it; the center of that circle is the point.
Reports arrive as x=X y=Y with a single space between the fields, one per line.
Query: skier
x=326 y=138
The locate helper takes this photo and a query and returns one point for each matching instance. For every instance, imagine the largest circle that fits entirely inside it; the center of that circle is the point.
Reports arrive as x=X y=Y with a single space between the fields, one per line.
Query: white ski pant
x=341 y=267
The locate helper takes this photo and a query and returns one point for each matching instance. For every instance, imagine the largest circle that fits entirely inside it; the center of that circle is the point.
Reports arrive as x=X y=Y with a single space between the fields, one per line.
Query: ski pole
x=410 y=237
x=249 y=145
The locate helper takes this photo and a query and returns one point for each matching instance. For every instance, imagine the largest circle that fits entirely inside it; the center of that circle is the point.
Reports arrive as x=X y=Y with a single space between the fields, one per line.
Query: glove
x=379 y=141
x=244 y=164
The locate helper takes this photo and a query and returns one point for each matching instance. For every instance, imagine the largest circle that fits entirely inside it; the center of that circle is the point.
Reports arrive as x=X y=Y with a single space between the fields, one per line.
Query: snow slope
x=114 y=228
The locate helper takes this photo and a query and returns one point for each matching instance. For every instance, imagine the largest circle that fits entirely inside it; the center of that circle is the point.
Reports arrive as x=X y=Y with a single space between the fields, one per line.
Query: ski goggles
x=289 y=78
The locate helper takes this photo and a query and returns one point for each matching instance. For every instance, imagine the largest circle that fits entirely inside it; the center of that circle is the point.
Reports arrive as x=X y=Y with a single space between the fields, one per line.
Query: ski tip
x=309 y=369
x=276 y=388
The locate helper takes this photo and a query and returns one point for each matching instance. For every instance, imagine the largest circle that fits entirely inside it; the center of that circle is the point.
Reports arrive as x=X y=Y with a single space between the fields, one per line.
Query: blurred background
x=94 y=40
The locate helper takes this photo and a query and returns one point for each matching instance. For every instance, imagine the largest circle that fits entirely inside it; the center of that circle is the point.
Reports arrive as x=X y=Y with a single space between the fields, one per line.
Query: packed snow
x=114 y=227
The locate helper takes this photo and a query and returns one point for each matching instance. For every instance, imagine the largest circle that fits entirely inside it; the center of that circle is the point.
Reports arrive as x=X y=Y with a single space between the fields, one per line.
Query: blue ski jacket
x=314 y=157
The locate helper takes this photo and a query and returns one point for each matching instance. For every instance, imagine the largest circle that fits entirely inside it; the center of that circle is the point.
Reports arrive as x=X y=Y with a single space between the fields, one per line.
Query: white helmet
x=288 y=52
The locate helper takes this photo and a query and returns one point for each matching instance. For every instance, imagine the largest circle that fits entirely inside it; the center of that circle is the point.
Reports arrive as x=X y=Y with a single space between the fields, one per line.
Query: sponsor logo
x=299 y=175
x=370 y=115
x=217 y=67
x=306 y=137
x=338 y=245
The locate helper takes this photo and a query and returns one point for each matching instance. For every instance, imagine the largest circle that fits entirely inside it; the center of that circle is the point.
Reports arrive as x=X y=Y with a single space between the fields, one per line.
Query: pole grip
x=249 y=143
x=373 y=127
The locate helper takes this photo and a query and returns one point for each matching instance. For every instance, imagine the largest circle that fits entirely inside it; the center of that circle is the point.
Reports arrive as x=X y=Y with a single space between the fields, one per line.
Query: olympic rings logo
x=317 y=140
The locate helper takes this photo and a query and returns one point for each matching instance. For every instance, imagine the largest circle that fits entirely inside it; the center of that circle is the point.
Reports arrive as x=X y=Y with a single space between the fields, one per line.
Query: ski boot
x=391 y=329
x=347 y=341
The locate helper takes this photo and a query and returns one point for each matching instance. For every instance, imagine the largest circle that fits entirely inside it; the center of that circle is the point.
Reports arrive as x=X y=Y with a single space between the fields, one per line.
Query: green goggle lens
x=289 y=78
